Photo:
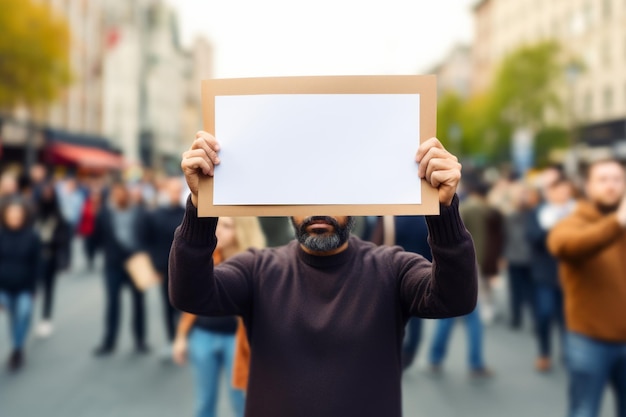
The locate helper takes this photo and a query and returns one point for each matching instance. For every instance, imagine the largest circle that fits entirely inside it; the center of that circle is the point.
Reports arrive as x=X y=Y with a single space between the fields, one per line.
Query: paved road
x=62 y=379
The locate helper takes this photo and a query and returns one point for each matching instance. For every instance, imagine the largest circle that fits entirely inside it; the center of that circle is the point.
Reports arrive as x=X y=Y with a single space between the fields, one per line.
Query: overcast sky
x=326 y=37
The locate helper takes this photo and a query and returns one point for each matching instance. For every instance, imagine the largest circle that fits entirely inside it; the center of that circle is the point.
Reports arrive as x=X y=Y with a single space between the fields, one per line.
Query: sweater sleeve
x=573 y=239
x=195 y=286
x=449 y=286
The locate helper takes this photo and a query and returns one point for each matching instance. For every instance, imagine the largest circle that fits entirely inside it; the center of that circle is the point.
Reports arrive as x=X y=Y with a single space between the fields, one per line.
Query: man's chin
x=607 y=207
x=321 y=242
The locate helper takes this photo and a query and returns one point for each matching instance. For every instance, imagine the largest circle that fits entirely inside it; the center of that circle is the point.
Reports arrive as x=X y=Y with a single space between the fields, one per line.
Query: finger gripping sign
x=344 y=145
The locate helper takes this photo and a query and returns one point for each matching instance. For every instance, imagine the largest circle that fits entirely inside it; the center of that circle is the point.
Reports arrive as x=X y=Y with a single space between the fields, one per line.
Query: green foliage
x=526 y=86
x=34 y=53
x=449 y=119
x=525 y=90
x=547 y=140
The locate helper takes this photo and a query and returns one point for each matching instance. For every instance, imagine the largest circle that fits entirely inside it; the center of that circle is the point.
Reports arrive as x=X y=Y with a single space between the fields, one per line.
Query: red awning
x=84 y=156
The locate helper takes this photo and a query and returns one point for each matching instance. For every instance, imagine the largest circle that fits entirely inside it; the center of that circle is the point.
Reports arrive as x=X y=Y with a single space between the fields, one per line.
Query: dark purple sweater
x=325 y=332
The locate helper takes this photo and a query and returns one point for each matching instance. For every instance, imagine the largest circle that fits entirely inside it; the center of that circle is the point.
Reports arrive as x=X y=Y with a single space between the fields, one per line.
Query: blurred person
x=158 y=233
x=118 y=231
x=9 y=187
x=475 y=356
x=558 y=203
x=277 y=230
x=146 y=188
x=474 y=212
x=590 y=245
x=55 y=236
x=518 y=252
x=87 y=224
x=485 y=224
x=210 y=341
x=71 y=200
x=38 y=178
x=325 y=314
x=20 y=264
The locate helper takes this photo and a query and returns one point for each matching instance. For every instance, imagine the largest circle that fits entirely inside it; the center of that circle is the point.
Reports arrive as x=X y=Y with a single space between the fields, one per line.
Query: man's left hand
x=439 y=168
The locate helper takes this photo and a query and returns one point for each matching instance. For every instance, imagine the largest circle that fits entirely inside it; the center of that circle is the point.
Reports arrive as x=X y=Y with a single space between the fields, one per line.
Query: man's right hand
x=199 y=160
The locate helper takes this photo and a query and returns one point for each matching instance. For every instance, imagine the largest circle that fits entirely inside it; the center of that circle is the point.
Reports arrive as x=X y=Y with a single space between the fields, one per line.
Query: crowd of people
x=42 y=213
x=556 y=244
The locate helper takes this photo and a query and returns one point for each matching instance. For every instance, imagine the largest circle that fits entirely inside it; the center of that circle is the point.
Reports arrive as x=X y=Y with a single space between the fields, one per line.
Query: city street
x=62 y=378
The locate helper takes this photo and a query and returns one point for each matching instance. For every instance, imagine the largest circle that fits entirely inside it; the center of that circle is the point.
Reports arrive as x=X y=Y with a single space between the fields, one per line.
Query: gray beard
x=321 y=243
x=324 y=242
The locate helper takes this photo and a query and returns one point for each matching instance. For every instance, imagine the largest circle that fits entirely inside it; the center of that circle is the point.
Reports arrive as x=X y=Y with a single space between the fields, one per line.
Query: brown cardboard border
x=425 y=85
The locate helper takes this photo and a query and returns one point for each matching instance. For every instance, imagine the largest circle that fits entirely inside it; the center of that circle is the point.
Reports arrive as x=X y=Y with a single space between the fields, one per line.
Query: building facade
x=147 y=98
x=454 y=72
x=593 y=31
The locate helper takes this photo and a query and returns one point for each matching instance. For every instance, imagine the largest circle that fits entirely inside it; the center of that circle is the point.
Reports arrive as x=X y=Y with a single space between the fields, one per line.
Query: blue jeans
x=591 y=365
x=211 y=353
x=548 y=310
x=474 y=328
x=521 y=291
x=20 y=308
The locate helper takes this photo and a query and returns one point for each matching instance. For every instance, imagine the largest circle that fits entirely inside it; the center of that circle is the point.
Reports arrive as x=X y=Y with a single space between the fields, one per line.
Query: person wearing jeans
x=474 y=329
x=558 y=204
x=20 y=308
x=590 y=246
x=20 y=250
x=210 y=353
x=548 y=311
x=518 y=254
x=118 y=231
x=208 y=343
x=593 y=363
x=475 y=212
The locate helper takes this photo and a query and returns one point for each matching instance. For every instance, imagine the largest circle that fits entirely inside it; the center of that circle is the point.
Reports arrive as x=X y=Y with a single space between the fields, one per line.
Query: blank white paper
x=294 y=149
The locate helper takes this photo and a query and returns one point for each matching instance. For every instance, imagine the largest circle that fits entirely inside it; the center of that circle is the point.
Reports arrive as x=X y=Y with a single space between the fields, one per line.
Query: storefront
x=24 y=143
x=80 y=151
x=608 y=137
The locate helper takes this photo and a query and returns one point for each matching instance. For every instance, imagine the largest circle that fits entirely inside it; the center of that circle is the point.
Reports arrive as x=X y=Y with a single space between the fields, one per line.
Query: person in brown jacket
x=590 y=245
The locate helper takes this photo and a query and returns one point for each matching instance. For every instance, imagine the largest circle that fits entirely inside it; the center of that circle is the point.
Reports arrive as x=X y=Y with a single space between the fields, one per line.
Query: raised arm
x=449 y=286
x=573 y=239
x=194 y=285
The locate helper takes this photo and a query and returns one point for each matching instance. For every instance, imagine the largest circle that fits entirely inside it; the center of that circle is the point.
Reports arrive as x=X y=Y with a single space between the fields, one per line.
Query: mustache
x=313 y=219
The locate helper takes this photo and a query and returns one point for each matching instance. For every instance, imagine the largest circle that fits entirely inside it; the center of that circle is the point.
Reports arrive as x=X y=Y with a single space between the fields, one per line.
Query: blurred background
x=92 y=91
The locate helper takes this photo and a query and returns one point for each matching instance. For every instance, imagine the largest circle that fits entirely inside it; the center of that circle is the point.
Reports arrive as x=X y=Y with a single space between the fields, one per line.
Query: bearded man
x=590 y=245
x=325 y=314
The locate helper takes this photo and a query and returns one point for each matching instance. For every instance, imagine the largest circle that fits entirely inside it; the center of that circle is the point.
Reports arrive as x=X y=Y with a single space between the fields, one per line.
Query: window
x=587 y=106
x=608 y=99
x=606 y=9
x=588 y=14
x=606 y=53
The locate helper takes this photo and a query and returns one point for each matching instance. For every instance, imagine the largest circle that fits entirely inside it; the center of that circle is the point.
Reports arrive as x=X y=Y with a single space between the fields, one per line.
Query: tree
x=527 y=86
x=34 y=54
x=526 y=94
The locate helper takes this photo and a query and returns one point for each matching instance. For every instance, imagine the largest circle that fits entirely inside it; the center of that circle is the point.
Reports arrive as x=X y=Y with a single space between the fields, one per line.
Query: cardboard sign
x=340 y=145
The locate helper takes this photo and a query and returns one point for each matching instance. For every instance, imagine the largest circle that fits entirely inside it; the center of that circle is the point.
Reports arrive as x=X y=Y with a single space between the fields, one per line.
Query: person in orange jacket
x=209 y=342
